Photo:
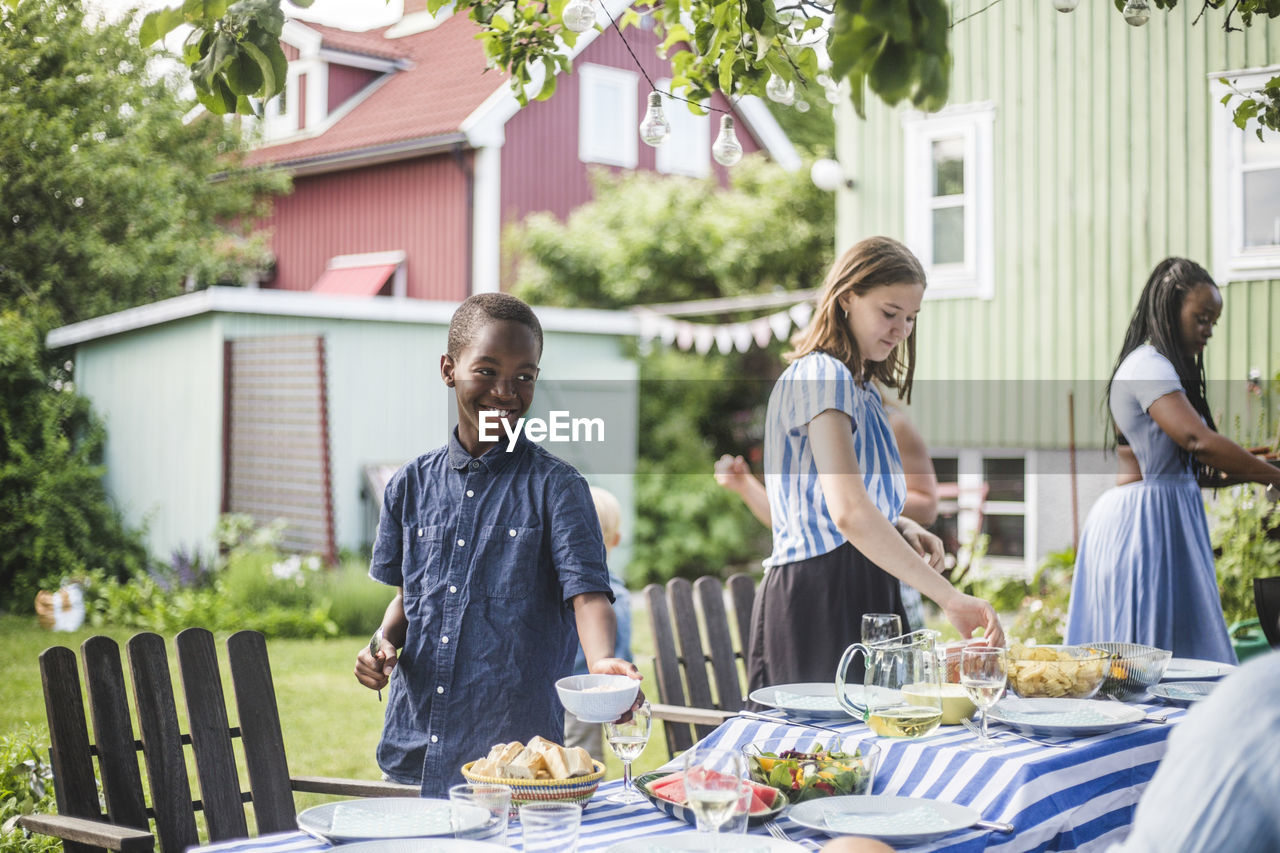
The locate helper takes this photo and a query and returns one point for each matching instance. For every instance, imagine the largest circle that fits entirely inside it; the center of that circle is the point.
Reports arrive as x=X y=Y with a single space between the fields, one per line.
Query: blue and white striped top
x=802 y=526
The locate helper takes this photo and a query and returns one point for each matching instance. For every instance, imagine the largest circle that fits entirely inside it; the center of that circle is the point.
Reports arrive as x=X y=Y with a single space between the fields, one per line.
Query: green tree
x=110 y=199
x=898 y=49
x=649 y=239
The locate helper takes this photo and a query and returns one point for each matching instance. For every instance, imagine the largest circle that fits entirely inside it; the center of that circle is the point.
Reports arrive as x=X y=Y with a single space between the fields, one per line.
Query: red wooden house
x=409 y=156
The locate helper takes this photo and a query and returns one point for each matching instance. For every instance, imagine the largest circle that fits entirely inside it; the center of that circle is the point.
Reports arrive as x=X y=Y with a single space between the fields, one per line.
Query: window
x=987 y=494
x=948 y=198
x=687 y=150
x=1246 y=191
x=607 y=116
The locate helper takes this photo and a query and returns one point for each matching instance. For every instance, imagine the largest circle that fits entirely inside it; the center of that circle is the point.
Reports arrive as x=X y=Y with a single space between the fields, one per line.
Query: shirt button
x=512 y=531
x=452 y=588
x=435 y=738
x=439 y=689
x=421 y=532
x=445 y=639
x=475 y=466
x=461 y=542
x=470 y=493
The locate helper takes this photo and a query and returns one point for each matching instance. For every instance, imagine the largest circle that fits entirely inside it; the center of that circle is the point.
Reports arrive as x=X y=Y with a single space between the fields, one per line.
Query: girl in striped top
x=834 y=477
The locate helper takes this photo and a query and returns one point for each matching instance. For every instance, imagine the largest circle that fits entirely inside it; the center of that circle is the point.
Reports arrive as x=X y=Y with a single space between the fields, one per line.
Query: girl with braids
x=1144 y=573
x=834 y=479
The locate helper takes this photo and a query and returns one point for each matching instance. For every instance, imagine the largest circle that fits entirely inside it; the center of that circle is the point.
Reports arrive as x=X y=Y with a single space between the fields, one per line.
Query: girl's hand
x=968 y=613
x=732 y=472
x=926 y=544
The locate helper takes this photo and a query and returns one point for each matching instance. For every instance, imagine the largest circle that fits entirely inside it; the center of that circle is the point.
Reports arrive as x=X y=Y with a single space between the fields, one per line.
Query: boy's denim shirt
x=489 y=552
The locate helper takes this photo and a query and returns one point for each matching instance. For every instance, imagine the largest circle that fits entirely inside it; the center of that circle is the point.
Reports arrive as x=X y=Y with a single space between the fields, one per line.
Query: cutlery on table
x=777 y=831
x=969 y=724
x=752 y=715
x=993 y=825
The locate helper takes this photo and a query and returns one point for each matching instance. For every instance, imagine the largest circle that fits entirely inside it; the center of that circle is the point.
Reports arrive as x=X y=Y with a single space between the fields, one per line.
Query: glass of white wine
x=627 y=740
x=713 y=783
x=983 y=674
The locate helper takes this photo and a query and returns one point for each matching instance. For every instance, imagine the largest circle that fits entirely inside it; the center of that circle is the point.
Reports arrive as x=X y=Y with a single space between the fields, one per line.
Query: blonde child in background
x=589 y=735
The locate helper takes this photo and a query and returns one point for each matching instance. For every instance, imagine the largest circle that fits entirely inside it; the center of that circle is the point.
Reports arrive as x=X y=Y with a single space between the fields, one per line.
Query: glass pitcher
x=903 y=693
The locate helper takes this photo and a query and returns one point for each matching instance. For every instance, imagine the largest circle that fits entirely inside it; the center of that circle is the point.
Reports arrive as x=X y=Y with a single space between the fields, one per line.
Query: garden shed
x=295 y=405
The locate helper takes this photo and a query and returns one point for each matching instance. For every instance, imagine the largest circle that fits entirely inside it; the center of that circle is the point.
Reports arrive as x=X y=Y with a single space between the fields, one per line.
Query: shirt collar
x=494 y=459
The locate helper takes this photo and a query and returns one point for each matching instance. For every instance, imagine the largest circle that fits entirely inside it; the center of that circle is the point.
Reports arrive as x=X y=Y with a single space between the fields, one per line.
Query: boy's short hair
x=478 y=310
x=609 y=510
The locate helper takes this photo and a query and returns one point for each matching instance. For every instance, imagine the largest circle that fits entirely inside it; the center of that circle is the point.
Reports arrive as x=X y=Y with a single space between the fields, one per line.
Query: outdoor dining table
x=1081 y=797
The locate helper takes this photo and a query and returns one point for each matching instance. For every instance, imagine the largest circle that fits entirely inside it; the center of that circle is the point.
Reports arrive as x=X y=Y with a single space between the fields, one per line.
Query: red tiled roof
x=446 y=81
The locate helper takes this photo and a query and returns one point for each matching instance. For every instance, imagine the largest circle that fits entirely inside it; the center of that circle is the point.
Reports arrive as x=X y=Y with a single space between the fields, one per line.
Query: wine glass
x=713 y=783
x=982 y=674
x=880 y=626
x=627 y=740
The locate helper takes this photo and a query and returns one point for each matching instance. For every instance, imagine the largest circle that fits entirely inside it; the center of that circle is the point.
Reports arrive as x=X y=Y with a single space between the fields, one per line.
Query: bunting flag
x=725 y=337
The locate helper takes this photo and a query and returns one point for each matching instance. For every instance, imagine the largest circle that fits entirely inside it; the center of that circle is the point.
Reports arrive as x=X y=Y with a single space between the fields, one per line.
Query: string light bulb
x=655 y=128
x=780 y=91
x=579 y=15
x=1136 y=12
x=726 y=150
x=1066 y=5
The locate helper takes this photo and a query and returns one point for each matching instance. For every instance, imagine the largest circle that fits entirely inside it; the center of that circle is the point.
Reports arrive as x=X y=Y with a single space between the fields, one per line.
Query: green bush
x=26 y=787
x=357 y=602
x=1241 y=527
x=55 y=517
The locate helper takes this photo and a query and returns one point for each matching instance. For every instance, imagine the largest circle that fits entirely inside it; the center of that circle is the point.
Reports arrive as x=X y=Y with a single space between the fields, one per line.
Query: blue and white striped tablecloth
x=1079 y=798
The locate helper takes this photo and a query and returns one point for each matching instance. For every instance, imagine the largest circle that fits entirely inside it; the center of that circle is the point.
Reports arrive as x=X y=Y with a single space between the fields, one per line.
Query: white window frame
x=622 y=150
x=969 y=480
x=974 y=124
x=1232 y=261
x=690 y=136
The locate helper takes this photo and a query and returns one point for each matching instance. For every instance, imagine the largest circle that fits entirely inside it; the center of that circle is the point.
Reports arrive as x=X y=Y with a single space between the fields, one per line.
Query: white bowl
x=597 y=698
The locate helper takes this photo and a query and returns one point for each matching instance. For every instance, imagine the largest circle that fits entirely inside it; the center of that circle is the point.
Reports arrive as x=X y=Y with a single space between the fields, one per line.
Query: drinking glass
x=495 y=799
x=713 y=783
x=880 y=626
x=550 y=827
x=982 y=674
x=627 y=740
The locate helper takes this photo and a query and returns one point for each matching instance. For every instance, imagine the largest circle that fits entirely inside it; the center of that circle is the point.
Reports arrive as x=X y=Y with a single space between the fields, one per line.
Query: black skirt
x=808 y=612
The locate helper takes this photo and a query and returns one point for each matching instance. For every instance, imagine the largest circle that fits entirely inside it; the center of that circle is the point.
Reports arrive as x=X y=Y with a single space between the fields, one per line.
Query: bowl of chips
x=1132 y=669
x=1056 y=672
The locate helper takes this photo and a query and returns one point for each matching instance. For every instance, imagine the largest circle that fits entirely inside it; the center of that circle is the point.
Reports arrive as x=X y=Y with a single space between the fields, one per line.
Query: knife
x=993 y=825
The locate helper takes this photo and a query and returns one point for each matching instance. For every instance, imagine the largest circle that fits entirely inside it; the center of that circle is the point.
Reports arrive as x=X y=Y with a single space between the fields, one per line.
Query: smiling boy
x=496 y=553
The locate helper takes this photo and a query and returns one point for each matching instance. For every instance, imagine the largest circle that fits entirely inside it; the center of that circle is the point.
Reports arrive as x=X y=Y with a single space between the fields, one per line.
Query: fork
x=971 y=726
x=777 y=831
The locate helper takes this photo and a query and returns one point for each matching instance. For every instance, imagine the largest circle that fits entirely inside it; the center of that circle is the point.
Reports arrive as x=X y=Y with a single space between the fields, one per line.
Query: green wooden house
x=1076 y=151
x=298 y=406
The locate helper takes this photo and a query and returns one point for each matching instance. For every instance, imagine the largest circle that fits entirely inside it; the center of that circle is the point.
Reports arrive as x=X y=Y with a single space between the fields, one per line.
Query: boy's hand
x=374 y=670
x=618 y=666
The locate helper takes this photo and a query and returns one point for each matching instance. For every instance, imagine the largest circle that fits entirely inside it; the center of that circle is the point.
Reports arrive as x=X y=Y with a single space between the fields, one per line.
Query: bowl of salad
x=807 y=768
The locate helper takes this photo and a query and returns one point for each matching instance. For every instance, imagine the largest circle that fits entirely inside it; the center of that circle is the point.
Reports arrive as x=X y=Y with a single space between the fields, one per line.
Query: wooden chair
x=684 y=650
x=126 y=826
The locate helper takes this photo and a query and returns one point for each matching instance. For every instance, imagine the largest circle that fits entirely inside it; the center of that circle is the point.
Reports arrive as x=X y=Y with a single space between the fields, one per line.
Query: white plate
x=1182 y=693
x=1064 y=717
x=1191 y=669
x=424 y=845
x=812 y=699
x=899 y=820
x=378 y=818
x=704 y=841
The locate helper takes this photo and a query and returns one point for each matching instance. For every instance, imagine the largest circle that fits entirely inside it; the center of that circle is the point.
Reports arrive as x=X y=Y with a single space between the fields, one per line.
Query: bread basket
x=575 y=789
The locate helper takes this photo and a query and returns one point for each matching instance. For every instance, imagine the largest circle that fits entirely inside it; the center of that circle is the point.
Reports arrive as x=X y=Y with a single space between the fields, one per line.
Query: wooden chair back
x=697 y=661
x=162 y=743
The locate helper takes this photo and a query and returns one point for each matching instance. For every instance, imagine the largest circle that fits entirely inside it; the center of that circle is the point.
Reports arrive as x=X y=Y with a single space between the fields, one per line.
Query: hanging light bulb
x=655 y=128
x=1066 y=5
x=727 y=150
x=780 y=91
x=579 y=15
x=1136 y=12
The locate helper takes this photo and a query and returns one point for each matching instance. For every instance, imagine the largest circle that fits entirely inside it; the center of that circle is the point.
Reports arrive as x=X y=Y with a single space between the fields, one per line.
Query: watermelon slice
x=671 y=789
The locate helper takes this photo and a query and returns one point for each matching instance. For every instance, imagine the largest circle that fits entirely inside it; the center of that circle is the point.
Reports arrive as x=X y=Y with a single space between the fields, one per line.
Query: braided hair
x=1156 y=320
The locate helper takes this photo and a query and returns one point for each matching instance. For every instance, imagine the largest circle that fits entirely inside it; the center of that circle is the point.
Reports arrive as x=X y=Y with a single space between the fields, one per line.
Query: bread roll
x=580 y=763
x=557 y=760
x=487 y=767
x=508 y=752
x=526 y=765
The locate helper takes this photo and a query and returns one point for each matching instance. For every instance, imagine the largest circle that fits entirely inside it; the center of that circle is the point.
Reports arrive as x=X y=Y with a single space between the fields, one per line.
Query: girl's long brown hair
x=874 y=262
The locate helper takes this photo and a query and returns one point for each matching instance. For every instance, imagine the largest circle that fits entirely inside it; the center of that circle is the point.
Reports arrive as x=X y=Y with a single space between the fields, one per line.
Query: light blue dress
x=1145 y=572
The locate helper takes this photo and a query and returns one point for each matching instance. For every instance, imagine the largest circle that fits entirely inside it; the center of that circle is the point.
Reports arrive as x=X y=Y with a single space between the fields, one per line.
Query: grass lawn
x=331 y=724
